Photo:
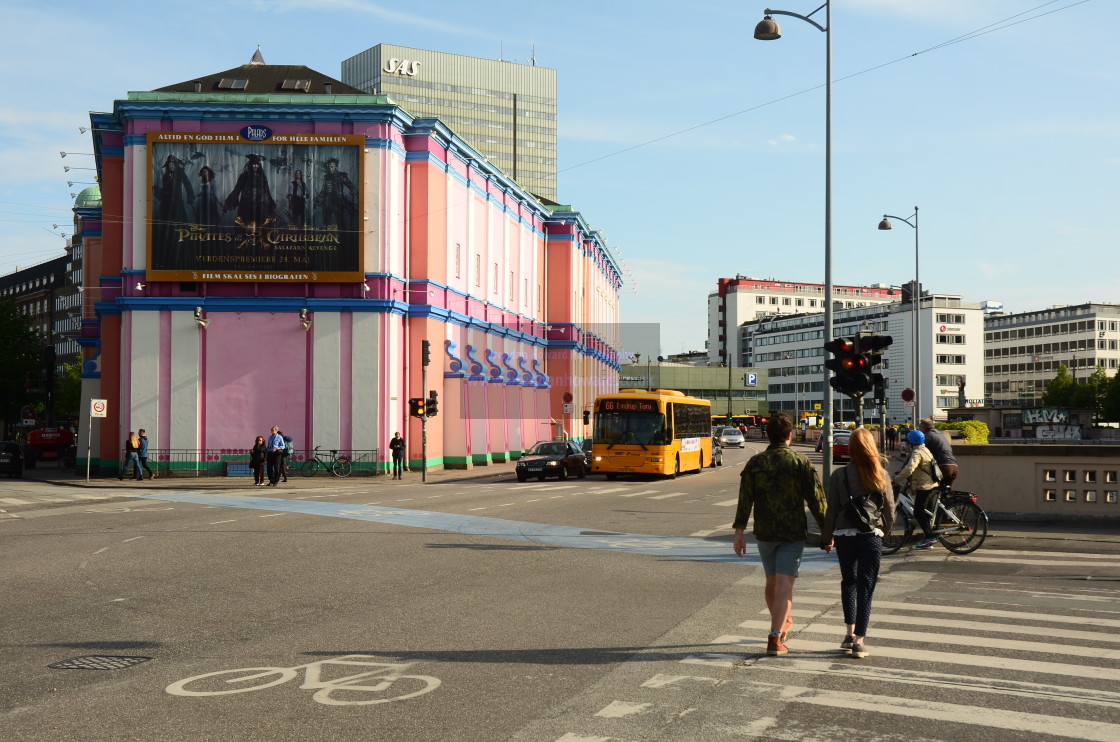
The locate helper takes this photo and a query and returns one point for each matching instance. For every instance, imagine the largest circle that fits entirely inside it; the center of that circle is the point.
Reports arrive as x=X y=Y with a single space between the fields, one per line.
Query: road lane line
x=841 y=667
x=271 y=515
x=1021 y=615
x=727 y=503
x=643 y=492
x=665 y=497
x=1053 y=644
x=219 y=522
x=14 y=501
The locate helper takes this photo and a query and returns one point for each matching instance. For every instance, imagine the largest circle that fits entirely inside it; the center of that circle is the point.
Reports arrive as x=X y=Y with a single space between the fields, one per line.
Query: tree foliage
x=1098 y=393
x=69 y=392
x=1110 y=401
x=23 y=360
x=1059 y=392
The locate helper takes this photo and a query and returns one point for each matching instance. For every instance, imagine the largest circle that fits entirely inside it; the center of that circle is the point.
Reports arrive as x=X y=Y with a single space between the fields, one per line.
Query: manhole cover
x=98 y=662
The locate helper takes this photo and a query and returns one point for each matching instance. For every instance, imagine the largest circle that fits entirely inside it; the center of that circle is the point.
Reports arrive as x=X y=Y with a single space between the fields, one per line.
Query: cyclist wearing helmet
x=917 y=471
x=938 y=445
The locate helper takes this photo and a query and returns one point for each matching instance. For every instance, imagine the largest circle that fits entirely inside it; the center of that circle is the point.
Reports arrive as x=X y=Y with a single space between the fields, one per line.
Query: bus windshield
x=633 y=428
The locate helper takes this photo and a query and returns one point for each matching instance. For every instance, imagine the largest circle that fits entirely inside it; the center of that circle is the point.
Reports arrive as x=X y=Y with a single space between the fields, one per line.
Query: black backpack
x=866 y=510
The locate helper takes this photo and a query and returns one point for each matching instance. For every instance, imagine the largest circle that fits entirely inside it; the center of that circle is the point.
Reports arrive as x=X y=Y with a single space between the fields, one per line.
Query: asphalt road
x=485 y=609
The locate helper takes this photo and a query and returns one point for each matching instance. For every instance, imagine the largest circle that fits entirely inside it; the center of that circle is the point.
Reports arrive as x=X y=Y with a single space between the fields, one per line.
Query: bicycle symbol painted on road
x=343 y=691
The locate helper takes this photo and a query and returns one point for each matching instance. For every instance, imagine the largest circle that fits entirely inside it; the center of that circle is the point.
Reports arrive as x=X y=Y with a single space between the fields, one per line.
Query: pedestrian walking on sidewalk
x=777 y=484
x=860 y=512
x=142 y=453
x=131 y=460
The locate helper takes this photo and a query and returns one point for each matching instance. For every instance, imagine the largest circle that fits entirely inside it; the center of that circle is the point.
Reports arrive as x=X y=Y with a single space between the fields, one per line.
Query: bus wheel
x=676 y=468
x=701 y=463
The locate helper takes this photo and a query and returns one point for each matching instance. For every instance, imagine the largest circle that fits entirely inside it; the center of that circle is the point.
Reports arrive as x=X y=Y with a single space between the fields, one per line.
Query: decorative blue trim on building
x=456 y=363
x=475 y=367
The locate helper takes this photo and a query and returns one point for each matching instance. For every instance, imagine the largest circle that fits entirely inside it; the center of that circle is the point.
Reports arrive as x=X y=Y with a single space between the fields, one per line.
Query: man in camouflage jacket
x=777 y=484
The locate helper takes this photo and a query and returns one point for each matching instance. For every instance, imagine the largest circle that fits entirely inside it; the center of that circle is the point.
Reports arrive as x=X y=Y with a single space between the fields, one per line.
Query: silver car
x=731 y=437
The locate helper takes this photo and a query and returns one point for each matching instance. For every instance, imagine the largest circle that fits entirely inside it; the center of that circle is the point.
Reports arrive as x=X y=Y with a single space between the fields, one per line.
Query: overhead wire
x=1000 y=25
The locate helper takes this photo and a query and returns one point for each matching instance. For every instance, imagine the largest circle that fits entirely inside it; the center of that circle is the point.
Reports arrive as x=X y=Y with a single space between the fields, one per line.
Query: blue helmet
x=916 y=437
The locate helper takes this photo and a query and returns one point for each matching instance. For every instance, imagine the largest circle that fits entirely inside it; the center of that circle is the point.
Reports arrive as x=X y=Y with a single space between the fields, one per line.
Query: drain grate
x=98 y=662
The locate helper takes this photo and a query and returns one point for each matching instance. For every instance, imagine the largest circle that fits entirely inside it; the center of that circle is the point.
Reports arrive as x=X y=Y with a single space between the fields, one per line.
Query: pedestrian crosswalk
x=47 y=499
x=951 y=657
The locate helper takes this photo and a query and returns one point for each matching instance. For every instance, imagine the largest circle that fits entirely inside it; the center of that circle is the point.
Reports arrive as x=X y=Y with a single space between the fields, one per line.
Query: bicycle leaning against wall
x=958 y=522
x=337 y=465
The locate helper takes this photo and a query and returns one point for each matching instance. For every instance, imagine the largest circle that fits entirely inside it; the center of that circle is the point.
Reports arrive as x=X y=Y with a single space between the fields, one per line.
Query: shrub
x=973 y=432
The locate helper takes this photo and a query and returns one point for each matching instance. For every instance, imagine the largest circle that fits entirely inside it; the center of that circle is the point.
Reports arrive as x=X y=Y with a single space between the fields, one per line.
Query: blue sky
x=698 y=151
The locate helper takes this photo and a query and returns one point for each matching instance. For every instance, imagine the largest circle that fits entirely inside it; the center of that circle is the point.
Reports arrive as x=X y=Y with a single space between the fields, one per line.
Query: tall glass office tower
x=505 y=110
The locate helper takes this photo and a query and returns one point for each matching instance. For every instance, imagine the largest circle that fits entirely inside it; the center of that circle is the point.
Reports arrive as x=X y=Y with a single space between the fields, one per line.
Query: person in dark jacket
x=942 y=450
x=131 y=446
x=860 y=513
x=142 y=453
x=258 y=455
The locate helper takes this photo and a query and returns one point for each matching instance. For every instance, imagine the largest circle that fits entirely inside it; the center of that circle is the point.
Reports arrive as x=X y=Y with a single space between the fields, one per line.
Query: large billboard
x=255 y=206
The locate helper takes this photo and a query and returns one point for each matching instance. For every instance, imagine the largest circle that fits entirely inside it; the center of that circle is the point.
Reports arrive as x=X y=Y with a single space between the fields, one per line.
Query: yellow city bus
x=660 y=432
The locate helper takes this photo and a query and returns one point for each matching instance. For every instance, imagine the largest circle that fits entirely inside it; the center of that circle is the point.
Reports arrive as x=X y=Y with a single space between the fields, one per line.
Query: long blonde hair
x=867 y=461
x=134 y=440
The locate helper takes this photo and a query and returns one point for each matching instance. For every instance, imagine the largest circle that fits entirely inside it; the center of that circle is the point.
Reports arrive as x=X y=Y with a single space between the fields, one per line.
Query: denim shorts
x=781 y=557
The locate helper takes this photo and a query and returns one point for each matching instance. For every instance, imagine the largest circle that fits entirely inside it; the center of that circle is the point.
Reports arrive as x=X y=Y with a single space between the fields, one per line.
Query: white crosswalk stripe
x=986 y=660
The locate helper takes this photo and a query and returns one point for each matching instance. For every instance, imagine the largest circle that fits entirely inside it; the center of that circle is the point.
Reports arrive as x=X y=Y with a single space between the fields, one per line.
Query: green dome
x=89 y=198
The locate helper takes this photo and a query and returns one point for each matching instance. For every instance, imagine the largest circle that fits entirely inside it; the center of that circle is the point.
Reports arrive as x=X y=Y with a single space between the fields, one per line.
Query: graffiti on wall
x=1058 y=432
x=1045 y=415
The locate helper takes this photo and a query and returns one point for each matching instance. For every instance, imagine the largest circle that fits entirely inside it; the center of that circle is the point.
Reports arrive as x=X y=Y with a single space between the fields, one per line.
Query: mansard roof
x=264 y=79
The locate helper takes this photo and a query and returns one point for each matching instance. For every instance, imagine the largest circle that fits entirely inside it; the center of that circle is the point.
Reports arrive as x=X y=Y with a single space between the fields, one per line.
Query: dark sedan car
x=586 y=446
x=551 y=459
x=11 y=459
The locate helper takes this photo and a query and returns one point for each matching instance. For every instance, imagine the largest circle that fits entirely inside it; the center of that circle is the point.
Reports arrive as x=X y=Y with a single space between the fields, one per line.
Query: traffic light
x=433 y=404
x=416 y=406
x=587 y=417
x=871 y=347
x=853 y=372
x=425 y=353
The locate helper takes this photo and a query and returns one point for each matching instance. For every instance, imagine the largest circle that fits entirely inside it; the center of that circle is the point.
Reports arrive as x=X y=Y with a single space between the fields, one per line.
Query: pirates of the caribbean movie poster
x=255 y=206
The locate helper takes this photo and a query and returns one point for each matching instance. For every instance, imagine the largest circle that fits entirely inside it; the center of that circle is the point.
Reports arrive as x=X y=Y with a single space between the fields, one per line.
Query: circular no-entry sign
x=907 y=395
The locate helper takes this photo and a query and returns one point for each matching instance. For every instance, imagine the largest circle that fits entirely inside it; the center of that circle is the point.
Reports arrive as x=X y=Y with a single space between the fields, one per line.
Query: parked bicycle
x=340 y=466
x=959 y=523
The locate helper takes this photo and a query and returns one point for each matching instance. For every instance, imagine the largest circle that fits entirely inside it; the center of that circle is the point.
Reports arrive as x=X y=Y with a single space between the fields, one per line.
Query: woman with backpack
x=860 y=511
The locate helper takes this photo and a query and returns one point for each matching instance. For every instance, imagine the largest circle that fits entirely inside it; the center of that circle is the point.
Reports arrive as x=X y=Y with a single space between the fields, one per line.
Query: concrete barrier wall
x=1048 y=481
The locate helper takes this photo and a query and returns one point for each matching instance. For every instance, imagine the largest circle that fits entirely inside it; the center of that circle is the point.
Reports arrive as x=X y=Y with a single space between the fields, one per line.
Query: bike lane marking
x=538 y=533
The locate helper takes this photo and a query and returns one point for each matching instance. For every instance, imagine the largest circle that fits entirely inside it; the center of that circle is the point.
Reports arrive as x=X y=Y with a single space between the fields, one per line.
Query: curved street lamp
x=916 y=305
x=768 y=30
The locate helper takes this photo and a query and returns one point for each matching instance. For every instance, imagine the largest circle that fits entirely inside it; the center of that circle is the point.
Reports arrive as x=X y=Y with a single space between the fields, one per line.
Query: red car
x=840 y=446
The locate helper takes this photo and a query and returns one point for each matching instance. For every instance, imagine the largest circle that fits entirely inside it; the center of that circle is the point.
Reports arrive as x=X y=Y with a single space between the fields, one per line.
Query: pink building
x=274 y=247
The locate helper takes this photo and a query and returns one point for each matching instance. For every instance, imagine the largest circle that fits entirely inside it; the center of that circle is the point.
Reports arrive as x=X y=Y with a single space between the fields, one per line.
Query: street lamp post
x=768 y=30
x=916 y=305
